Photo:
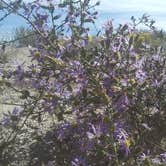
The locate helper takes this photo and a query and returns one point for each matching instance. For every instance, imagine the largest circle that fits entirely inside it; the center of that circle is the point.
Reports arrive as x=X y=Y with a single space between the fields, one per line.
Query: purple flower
x=1 y=72
x=156 y=161
x=156 y=83
x=123 y=138
x=86 y=145
x=16 y=111
x=40 y=21
x=6 y=121
x=11 y=117
x=163 y=156
x=97 y=130
x=51 y=163
x=79 y=161
x=64 y=131
x=19 y=73
x=107 y=82
x=141 y=76
x=50 y=103
x=108 y=28
x=122 y=103
x=143 y=157
x=124 y=82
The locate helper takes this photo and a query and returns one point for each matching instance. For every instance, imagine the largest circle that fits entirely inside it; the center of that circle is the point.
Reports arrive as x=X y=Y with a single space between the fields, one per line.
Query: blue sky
x=133 y=5
x=120 y=10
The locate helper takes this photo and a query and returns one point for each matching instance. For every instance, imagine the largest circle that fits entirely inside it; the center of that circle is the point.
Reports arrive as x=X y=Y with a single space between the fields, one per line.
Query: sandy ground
x=13 y=56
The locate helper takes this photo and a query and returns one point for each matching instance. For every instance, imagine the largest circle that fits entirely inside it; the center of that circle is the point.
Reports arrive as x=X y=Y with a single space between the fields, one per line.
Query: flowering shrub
x=84 y=102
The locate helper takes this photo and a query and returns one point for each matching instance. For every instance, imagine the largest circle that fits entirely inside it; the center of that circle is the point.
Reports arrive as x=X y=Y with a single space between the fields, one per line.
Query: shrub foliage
x=84 y=102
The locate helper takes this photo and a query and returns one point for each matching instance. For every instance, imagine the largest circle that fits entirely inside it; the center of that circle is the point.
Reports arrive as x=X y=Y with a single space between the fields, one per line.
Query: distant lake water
x=8 y=26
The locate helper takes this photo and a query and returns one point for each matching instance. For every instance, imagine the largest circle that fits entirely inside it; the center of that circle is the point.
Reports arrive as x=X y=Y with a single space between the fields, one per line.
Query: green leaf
x=89 y=20
x=62 y=5
x=56 y=60
x=57 y=17
x=131 y=41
